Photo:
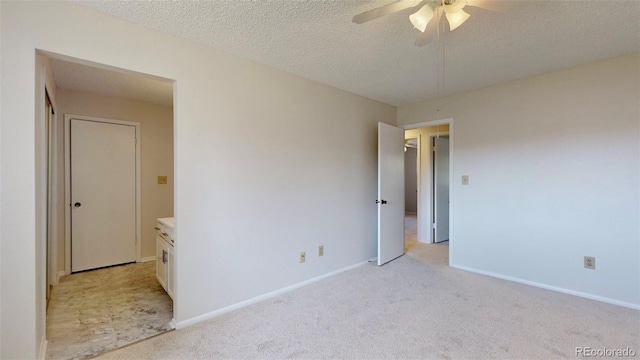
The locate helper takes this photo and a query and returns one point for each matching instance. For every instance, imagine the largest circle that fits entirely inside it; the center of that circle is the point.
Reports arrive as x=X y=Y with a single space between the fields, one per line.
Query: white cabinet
x=171 y=285
x=164 y=255
x=161 y=264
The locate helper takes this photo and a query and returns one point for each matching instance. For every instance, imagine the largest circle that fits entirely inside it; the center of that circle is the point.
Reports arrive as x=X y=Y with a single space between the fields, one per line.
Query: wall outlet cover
x=590 y=262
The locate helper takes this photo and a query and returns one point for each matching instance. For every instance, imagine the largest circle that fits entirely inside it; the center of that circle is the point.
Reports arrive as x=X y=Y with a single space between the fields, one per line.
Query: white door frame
x=49 y=169
x=445 y=121
x=67 y=184
x=52 y=240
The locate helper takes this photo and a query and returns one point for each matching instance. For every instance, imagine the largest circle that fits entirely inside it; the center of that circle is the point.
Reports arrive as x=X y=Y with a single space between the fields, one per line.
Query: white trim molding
x=42 y=351
x=445 y=121
x=224 y=310
x=552 y=288
x=59 y=275
x=419 y=125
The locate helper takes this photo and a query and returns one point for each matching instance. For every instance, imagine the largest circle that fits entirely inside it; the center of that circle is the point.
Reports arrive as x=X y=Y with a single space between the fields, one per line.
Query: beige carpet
x=415 y=307
x=96 y=311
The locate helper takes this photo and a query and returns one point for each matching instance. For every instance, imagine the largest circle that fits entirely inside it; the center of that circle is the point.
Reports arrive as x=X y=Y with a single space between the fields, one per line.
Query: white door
x=441 y=188
x=390 y=193
x=103 y=194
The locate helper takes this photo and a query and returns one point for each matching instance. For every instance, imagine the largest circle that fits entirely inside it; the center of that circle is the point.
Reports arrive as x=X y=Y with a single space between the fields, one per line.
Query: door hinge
x=135 y=140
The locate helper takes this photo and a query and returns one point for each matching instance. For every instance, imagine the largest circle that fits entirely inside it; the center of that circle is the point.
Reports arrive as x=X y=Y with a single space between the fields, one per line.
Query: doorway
x=429 y=221
x=101 y=305
x=411 y=168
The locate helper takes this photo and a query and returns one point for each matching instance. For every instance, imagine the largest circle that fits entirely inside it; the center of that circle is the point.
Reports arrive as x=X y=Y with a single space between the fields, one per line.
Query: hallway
x=100 y=310
x=436 y=253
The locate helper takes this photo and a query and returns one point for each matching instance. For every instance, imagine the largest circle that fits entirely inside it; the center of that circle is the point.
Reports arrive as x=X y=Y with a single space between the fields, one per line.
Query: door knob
x=77 y=204
x=381 y=202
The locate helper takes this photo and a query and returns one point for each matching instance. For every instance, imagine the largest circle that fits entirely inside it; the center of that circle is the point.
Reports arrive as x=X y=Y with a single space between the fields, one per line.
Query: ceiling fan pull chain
x=441 y=46
x=438 y=45
x=444 y=63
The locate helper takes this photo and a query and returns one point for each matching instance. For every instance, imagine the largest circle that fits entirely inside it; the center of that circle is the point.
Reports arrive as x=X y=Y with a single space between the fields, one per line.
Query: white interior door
x=103 y=194
x=441 y=188
x=390 y=193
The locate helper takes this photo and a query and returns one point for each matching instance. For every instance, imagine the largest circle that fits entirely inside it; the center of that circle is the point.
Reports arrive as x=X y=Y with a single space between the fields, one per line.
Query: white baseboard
x=42 y=351
x=59 y=275
x=552 y=288
x=148 y=258
x=216 y=313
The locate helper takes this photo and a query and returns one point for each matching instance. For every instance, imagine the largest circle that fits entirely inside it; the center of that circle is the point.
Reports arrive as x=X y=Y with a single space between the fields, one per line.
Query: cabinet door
x=161 y=266
x=171 y=285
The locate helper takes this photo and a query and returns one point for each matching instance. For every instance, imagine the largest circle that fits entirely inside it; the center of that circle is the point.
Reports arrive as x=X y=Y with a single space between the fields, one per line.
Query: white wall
x=156 y=153
x=553 y=176
x=23 y=225
x=240 y=130
x=44 y=78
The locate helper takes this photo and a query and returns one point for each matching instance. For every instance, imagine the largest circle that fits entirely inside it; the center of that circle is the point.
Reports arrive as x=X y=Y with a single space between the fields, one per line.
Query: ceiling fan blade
x=427 y=36
x=496 y=5
x=385 y=10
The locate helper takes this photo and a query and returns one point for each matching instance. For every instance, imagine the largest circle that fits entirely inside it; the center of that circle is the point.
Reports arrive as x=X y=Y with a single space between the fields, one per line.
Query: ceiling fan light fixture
x=456 y=18
x=421 y=18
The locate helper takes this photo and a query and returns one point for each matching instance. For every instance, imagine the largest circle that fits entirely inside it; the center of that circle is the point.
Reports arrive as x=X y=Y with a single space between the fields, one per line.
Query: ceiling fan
x=428 y=15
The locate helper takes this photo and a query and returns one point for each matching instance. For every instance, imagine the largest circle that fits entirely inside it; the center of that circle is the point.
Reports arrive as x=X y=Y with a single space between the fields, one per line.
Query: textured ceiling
x=84 y=78
x=317 y=40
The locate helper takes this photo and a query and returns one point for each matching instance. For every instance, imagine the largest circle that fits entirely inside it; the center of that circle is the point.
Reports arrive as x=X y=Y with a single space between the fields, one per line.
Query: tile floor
x=96 y=311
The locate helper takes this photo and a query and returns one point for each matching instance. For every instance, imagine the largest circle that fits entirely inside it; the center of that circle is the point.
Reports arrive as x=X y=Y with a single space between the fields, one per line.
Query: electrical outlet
x=465 y=179
x=320 y=250
x=590 y=262
x=302 y=257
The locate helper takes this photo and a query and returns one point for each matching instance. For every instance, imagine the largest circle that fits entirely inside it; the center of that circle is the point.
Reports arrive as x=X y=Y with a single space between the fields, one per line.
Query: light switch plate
x=465 y=179
x=162 y=180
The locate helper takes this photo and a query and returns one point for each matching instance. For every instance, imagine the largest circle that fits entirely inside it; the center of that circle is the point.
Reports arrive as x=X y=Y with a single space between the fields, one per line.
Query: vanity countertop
x=168 y=221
